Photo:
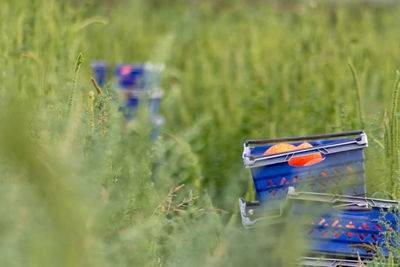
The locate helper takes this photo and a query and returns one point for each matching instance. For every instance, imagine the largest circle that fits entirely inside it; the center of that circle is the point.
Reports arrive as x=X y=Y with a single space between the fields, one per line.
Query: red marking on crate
x=349 y=168
x=274 y=184
x=379 y=227
x=336 y=170
x=269 y=182
x=393 y=228
x=338 y=234
x=335 y=222
x=359 y=227
x=365 y=235
x=360 y=236
x=294 y=179
x=283 y=180
x=276 y=191
x=349 y=235
x=379 y=236
x=326 y=224
x=324 y=233
x=373 y=228
x=324 y=173
x=350 y=226
x=320 y=230
x=374 y=238
x=365 y=226
x=321 y=222
x=323 y=185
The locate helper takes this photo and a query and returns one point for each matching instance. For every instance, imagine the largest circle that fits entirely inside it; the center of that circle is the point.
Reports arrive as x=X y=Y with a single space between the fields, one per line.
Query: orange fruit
x=279 y=148
x=296 y=161
x=304 y=145
x=314 y=161
x=305 y=160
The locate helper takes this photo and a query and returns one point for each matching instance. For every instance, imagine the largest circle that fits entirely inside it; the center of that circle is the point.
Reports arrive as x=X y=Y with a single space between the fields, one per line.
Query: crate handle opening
x=305 y=161
x=312 y=137
x=352 y=207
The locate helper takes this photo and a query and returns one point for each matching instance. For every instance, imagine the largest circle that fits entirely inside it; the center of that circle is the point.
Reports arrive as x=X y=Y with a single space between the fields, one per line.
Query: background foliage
x=81 y=188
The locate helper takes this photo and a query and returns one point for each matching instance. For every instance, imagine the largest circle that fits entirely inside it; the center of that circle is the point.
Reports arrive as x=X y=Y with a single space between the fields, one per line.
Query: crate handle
x=294 y=153
x=308 y=151
x=305 y=138
x=344 y=145
x=353 y=207
x=293 y=156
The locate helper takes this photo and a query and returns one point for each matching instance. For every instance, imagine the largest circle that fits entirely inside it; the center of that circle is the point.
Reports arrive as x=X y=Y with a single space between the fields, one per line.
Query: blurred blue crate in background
x=130 y=76
x=100 y=69
x=140 y=84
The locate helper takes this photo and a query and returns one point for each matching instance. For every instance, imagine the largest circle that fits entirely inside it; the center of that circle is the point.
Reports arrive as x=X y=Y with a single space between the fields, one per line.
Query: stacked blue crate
x=329 y=195
x=141 y=85
x=328 y=262
x=333 y=225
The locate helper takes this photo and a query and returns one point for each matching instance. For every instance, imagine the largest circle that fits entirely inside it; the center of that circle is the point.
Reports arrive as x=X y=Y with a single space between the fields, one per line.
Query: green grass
x=81 y=188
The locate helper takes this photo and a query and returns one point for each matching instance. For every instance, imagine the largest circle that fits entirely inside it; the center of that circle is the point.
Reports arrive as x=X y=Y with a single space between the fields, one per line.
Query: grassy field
x=80 y=188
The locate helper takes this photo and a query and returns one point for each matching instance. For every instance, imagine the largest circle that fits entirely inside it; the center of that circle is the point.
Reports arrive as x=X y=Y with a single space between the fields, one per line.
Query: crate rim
x=264 y=160
x=304 y=138
x=328 y=262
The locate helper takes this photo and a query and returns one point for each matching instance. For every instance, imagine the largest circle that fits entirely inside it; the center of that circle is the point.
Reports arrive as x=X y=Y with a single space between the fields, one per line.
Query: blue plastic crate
x=343 y=226
x=139 y=76
x=153 y=99
x=100 y=69
x=329 y=262
x=130 y=76
x=152 y=75
x=134 y=99
x=341 y=171
x=157 y=124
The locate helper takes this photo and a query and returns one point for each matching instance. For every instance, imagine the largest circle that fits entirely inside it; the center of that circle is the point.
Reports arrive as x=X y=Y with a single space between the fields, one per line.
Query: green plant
x=81 y=187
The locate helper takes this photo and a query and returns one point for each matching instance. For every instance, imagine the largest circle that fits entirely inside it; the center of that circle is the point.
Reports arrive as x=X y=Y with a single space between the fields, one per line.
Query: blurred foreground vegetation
x=81 y=188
